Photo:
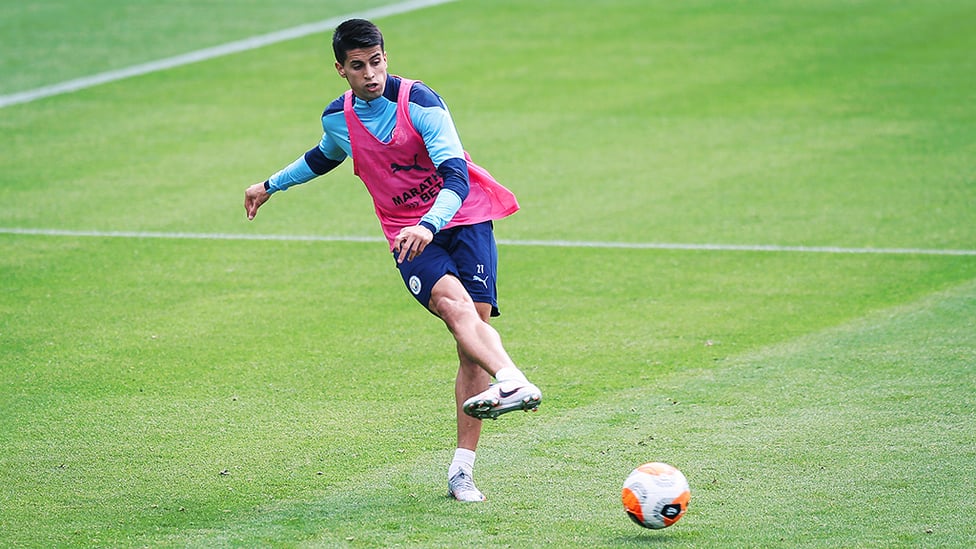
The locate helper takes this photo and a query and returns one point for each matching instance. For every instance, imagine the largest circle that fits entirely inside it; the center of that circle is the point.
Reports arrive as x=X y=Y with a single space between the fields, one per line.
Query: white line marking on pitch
x=540 y=243
x=237 y=46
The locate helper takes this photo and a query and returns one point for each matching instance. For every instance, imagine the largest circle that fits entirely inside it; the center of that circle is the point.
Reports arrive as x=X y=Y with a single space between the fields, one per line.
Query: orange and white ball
x=656 y=495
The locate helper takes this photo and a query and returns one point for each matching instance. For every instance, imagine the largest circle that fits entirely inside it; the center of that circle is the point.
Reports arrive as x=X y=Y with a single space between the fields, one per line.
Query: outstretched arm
x=305 y=168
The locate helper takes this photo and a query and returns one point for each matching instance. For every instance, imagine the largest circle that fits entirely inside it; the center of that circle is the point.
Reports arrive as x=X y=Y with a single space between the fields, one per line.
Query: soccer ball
x=656 y=495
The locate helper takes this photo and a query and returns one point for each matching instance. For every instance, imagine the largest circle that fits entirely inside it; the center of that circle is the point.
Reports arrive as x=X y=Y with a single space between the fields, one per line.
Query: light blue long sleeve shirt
x=431 y=119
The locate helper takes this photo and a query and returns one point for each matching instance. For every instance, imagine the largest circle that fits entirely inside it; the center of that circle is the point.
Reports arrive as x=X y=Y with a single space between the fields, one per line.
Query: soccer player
x=436 y=209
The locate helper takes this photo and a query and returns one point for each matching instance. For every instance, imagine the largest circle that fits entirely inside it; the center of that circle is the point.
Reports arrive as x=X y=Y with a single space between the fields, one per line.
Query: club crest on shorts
x=415 y=285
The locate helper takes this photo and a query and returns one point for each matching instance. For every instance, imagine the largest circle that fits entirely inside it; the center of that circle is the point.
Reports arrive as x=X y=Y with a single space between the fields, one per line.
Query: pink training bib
x=403 y=181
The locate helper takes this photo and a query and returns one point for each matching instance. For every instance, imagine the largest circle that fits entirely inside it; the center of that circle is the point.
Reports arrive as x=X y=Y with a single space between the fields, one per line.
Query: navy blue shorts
x=468 y=252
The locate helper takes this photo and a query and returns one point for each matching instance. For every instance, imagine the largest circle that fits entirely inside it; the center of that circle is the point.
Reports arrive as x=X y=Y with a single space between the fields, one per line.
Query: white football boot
x=461 y=487
x=503 y=397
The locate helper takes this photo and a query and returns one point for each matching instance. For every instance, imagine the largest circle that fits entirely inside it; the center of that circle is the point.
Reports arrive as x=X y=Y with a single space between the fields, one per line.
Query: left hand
x=411 y=241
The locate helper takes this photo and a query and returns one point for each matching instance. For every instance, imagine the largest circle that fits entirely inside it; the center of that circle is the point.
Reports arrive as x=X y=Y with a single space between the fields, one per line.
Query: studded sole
x=488 y=409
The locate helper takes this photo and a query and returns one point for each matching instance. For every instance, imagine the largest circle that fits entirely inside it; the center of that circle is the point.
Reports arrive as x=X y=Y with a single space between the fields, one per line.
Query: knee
x=452 y=310
x=451 y=302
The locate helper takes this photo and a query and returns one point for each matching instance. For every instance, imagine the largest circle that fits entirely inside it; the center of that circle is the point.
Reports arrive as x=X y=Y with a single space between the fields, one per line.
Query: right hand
x=254 y=196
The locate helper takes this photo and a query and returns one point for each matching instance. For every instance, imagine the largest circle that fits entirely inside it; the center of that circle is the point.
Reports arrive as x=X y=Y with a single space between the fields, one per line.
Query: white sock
x=463 y=460
x=510 y=373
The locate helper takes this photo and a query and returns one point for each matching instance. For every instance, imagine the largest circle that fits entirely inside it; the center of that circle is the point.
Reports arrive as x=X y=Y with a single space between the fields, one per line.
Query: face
x=365 y=70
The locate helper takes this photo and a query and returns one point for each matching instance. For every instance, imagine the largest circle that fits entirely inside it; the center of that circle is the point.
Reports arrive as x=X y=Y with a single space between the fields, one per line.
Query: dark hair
x=355 y=34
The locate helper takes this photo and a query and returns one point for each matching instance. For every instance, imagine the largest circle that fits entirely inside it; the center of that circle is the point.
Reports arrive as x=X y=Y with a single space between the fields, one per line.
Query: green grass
x=812 y=399
x=56 y=40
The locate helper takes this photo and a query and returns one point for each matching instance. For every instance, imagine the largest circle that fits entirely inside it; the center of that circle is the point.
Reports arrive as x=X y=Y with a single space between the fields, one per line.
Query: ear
x=340 y=70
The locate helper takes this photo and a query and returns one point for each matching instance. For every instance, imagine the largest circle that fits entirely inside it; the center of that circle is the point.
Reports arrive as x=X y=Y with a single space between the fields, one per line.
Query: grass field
x=747 y=248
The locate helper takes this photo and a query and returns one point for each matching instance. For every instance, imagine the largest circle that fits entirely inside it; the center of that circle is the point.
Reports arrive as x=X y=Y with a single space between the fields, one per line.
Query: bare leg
x=471 y=380
x=477 y=341
x=480 y=357
x=480 y=351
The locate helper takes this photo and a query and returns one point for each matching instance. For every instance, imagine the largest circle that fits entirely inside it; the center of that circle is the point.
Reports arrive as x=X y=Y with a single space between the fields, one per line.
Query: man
x=436 y=209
